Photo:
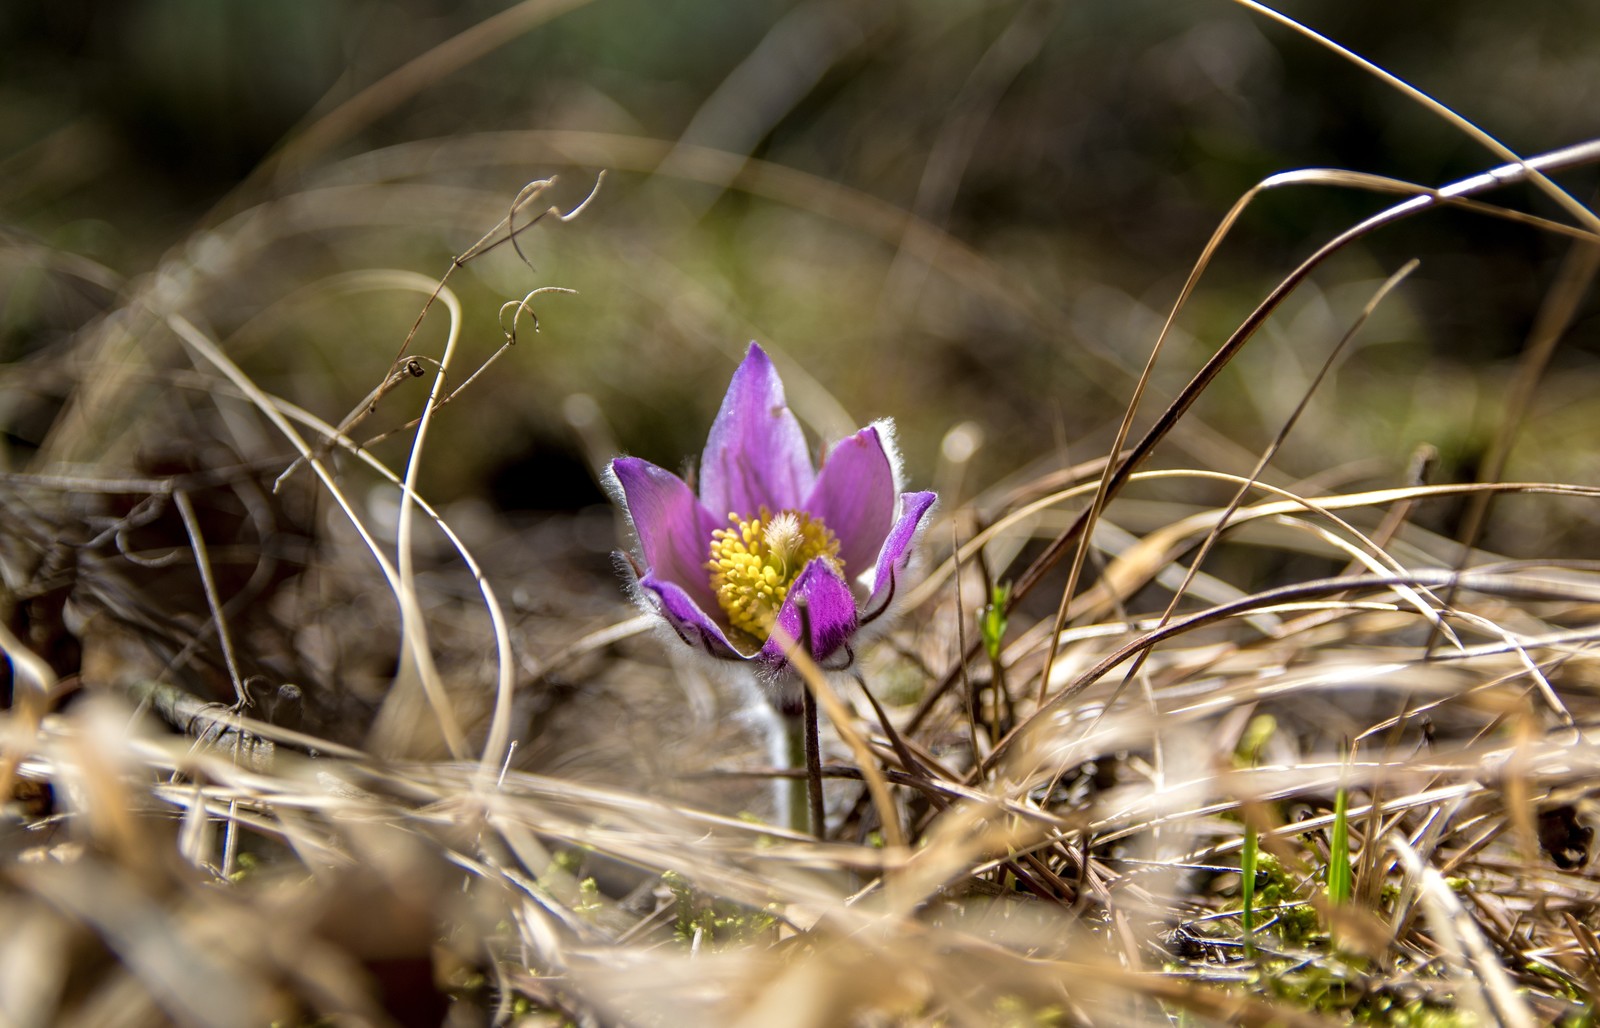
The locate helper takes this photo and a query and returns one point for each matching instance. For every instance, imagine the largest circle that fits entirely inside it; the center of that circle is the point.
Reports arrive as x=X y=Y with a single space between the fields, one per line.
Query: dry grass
x=286 y=744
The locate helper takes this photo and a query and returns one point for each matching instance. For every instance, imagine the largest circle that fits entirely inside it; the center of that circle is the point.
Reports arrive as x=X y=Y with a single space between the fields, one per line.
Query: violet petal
x=756 y=454
x=854 y=497
x=830 y=615
x=685 y=617
x=674 y=529
x=896 y=552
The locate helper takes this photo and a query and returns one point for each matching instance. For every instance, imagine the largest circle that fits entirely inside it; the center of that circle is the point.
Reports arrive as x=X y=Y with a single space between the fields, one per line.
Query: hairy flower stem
x=794 y=794
x=800 y=799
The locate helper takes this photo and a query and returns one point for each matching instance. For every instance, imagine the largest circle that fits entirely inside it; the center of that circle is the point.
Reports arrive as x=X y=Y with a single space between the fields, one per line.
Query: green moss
x=1333 y=988
x=1278 y=895
x=1299 y=924
x=245 y=864
x=717 y=923
x=566 y=861
x=589 y=902
x=1016 y=1012
x=1322 y=987
x=1415 y=1013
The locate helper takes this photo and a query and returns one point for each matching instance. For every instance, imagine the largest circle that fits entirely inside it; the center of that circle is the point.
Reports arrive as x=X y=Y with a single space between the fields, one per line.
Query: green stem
x=1247 y=889
x=794 y=798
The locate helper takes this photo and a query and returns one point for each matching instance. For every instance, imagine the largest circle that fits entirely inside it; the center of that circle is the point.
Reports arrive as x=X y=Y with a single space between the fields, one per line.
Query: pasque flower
x=725 y=568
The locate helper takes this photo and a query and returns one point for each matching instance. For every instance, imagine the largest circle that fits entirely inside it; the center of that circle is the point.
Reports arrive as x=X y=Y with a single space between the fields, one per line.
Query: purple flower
x=722 y=569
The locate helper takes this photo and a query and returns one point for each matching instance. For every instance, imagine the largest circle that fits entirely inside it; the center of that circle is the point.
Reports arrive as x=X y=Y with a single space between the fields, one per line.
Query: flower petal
x=674 y=530
x=685 y=617
x=756 y=454
x=896 y=552
x=854 y=497
x=830 y=615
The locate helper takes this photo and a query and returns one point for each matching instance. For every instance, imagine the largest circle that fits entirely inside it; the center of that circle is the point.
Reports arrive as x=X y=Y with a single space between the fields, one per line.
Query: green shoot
x=1339 y=874
x=1256 y=733
x=992 y=620
x=1247 y=889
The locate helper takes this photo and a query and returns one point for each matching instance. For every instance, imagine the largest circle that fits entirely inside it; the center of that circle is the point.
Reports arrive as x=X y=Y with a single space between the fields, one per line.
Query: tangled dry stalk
x=283 y=743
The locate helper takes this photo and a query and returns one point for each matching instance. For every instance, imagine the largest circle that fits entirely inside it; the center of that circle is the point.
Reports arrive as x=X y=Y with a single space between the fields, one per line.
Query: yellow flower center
x=754 y=563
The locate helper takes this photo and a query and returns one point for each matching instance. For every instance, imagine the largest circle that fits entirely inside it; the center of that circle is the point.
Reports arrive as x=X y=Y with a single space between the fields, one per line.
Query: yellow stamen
x=754 y=563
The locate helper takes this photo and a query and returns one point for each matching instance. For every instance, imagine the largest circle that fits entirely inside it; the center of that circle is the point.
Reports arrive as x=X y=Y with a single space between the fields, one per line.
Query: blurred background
x=1077 y=156
x=970 y=216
